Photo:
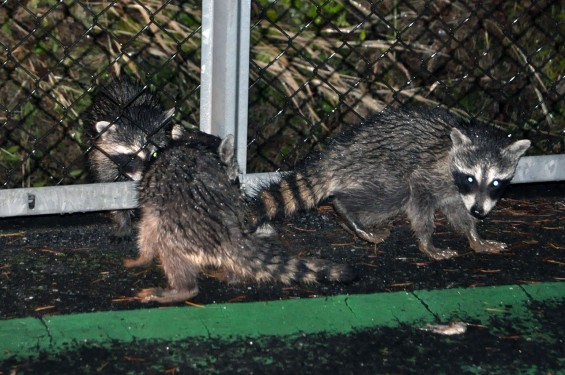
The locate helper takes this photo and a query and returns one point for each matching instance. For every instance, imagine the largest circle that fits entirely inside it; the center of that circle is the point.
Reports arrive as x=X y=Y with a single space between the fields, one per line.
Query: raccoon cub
x=192 y=218
x=410 y=161
x=126 y=125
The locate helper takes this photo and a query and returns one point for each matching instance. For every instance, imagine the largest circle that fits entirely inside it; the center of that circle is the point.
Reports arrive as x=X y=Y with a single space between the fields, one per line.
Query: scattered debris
x=453 y=328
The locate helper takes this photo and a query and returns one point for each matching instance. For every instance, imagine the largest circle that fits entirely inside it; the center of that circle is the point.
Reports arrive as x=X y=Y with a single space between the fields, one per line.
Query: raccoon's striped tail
x=267 y=263
x=294 y=192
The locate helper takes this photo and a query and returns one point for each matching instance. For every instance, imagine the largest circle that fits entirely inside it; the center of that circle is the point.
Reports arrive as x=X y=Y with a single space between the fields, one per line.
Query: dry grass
x=492 y=61
x=314 y=71
x=51 y=73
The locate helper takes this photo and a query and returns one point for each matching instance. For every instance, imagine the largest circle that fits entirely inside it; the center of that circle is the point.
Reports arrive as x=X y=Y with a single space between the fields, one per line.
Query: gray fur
x=127 y=125
x=410 y=161
x=193 y=218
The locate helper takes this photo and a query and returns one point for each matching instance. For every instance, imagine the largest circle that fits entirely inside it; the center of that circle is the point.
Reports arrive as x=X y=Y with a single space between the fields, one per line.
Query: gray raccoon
x=127 y=125
x=410 y=161
x=192 y=219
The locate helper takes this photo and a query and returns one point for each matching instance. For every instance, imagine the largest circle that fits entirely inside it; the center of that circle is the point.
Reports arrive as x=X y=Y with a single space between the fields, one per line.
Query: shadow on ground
x=401 y=350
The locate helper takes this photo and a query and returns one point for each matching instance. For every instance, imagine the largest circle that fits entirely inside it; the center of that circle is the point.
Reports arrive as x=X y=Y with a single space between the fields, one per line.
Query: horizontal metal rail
x=68 y=199
x=544 y=168
x=123 y=195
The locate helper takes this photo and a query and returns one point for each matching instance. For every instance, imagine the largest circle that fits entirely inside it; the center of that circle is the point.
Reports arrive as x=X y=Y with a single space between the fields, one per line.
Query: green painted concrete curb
x=339 y=314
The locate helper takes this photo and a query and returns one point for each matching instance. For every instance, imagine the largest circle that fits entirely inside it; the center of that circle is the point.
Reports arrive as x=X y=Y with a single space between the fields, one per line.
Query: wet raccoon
x=410 y=161
x=192 y=219
x=127 y=125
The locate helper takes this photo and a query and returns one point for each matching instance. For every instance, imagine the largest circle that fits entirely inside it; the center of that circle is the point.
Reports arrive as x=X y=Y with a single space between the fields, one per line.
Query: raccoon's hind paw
x=488 y=246
x=265 y=231
x=376 y=236
x=123 y=230
x=161 y=295
x=437 y=254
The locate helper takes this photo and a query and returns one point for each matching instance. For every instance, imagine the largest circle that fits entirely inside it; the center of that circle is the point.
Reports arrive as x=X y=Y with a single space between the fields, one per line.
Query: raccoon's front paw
x=161 y=295
x=488 y=246
x=376 y=236
x=437 y=254
x=137 y=262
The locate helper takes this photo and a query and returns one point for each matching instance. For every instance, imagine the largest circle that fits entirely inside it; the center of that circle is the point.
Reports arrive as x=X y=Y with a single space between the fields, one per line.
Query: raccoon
x=192 y=219
x=126 y=125
x=411 y=160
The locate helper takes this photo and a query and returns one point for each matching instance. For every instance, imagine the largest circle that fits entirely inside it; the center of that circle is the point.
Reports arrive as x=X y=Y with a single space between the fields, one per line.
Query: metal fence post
x=225 y=71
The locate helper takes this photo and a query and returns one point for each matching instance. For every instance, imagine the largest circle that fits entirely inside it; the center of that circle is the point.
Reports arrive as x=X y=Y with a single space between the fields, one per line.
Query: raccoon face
x=480 y=188
x=482 y=171
x=130 y=162
x=128 y=149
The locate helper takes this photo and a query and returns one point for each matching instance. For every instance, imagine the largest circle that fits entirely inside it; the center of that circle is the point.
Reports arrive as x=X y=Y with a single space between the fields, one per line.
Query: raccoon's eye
x=499 y=184
x=465 y=183
x=496 y=188
x=153 y=155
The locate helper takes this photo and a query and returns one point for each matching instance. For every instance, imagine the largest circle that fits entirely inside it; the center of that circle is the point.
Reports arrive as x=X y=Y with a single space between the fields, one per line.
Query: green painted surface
x=475 y=302
x=332 y=315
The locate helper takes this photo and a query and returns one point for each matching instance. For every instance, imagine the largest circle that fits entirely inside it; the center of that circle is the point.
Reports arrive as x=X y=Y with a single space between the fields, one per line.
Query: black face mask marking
x=496 y=188
x=129 y=164
x=465 y=183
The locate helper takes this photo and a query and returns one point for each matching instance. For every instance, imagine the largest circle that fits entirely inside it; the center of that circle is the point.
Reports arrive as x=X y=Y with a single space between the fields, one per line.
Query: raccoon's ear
x=458 y=138
x=177 y=132
x=227 y=149
x=104 y=128
x=516 y=149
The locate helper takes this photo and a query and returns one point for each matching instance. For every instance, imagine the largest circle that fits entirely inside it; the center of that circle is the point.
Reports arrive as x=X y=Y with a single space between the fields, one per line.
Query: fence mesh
x=54 y=55
x=316 y=67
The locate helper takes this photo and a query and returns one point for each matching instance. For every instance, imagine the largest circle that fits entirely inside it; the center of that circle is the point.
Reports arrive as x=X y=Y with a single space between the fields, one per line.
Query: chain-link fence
x=55 y=53
x=316 y=67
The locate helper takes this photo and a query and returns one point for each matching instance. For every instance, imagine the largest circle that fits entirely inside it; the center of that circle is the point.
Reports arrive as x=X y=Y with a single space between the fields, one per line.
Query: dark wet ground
x=67 y=264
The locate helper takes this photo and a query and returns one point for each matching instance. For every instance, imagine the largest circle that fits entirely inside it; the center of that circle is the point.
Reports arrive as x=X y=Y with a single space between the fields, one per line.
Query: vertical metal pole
x=225 y=71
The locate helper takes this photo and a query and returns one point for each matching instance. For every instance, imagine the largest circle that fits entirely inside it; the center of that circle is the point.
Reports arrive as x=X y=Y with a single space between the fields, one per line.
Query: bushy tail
x=294 y=192
x=269 y=263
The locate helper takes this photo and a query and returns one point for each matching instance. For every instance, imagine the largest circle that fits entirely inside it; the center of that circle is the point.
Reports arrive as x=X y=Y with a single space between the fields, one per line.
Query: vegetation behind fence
x=316 y=67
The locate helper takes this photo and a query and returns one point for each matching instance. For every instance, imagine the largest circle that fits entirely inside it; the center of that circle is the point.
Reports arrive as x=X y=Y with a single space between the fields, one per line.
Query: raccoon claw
x=488 y=246
x=437 y=254
x=161 y=295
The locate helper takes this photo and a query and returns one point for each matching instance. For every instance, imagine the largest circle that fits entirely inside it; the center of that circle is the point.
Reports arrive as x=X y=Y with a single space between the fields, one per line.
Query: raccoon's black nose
x=477 y=212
